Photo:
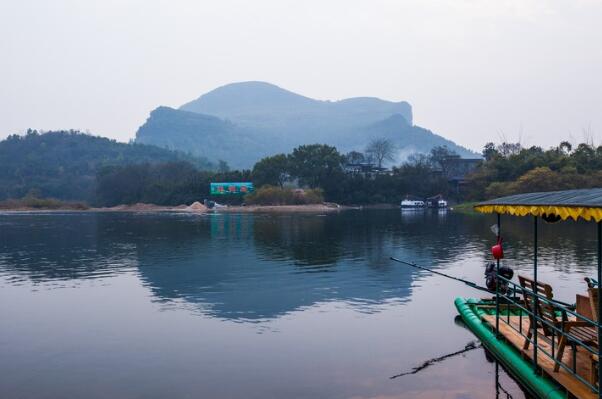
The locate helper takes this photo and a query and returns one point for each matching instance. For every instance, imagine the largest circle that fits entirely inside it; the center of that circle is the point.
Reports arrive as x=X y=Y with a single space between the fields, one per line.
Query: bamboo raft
x=508 y=325
x=479 y=315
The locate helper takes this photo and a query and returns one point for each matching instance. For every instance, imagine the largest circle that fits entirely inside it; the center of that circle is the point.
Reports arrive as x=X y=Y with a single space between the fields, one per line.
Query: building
x=365 y=169
x=457 y=169
x=436 y=202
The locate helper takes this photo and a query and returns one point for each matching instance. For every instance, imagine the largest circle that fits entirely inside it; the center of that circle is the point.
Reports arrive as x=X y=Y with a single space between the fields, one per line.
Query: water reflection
x=309 y=240
x=287 y=263
x=87 y=295
x=256 y=267
x=67 y=246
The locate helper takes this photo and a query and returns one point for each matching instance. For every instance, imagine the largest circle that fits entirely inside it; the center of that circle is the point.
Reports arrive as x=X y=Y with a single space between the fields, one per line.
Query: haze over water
x=108 y=305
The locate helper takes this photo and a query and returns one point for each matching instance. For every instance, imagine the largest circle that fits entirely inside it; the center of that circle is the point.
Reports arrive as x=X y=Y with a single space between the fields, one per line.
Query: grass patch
x=466 y=208
x=29 y=202
x=270 y=195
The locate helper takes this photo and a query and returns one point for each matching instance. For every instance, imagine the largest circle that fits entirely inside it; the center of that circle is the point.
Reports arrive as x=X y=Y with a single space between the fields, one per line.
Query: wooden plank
x=562 y=377
x=584 y=306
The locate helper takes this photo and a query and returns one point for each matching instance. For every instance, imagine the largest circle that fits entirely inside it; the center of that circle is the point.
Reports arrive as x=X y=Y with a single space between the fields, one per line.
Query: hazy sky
x=474 y=71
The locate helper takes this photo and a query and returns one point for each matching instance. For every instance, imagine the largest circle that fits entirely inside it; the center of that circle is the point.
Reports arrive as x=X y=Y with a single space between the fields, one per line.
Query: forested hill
x=244 y=122
x=64 y=164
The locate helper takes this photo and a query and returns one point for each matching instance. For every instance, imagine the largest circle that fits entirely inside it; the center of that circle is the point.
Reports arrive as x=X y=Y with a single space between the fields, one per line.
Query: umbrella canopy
x=585 y=204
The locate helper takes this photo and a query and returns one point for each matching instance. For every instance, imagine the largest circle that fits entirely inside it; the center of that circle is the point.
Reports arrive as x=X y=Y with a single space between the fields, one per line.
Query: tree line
x=316 y=166
x=63 y=164
x=70 y=165
x=509 y=168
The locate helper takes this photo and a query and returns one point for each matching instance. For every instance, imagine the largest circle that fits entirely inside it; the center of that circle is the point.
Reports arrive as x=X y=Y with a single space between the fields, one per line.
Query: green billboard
x=230 y=188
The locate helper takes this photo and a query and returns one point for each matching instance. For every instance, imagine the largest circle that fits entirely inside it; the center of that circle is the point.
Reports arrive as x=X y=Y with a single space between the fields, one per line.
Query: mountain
x=63 y=164
x=243 y=122
x=264 y=105
x=206 y=136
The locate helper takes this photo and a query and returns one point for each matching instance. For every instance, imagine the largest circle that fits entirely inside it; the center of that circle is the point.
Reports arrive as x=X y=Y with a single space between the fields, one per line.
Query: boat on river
x=410 y=202
x=550 y=347
x=436 y=202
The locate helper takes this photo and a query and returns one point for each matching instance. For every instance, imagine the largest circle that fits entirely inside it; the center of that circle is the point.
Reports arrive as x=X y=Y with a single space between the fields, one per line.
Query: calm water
x=255 y=306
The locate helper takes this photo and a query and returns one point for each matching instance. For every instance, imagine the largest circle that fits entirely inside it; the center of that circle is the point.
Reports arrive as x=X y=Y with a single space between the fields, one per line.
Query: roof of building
x=585 y=204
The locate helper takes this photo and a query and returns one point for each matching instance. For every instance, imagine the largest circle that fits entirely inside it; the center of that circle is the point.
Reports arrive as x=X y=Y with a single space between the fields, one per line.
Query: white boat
x=436 y=202
x=407 y=203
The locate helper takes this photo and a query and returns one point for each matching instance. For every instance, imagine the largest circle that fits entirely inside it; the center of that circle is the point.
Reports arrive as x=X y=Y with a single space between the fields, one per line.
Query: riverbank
x=32 y=203
x=196 y=207
x=465 y=207
x=309 y=208
x=17 y=207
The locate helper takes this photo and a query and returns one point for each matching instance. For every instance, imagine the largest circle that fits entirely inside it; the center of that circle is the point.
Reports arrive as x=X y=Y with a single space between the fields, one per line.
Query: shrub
x=33 y=202
x=270 y=195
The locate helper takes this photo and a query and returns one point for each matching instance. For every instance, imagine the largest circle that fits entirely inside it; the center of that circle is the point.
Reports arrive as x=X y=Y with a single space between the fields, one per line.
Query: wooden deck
x=563 y=377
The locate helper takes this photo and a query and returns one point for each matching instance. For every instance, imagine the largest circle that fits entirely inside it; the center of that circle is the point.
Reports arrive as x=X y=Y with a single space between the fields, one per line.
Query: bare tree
x=443 y=157
x=508 y=149
x=354 y=157
x=588 y=135
x=381 y=150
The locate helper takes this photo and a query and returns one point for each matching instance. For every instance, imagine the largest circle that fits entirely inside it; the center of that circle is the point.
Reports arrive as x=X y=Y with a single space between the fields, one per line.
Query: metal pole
x=599 y=315
x=497 y=283
x=535 y=299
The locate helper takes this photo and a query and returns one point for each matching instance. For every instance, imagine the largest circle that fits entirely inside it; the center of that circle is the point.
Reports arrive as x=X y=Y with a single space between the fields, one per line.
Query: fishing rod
x=469 y=283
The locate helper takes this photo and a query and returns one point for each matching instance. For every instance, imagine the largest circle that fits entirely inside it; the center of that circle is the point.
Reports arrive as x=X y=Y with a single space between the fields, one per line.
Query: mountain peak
x=255 y=101
x=245 y=97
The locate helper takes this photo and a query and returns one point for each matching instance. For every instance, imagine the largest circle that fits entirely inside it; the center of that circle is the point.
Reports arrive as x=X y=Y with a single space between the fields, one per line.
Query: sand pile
x=196 y=207
x=140 y=207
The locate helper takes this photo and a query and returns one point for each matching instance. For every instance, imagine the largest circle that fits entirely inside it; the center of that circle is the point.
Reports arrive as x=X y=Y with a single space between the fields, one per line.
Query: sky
x=474 y=71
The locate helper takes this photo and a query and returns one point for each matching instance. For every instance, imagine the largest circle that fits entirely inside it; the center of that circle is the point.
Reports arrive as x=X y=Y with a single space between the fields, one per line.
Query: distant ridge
x=243 y=122
x=64 y=164
x=205 y=136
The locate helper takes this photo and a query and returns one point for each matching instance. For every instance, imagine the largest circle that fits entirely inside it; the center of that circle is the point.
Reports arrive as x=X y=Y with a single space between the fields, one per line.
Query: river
x=126 y=305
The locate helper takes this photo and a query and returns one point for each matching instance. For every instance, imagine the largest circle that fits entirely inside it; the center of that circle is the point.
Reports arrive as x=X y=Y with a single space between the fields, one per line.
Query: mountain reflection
x=258 y=267
x=309 y=240
x=253 y=267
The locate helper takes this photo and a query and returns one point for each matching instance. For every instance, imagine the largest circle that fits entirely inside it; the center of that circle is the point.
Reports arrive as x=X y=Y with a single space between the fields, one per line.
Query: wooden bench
x=545 y=310
x=582 y=330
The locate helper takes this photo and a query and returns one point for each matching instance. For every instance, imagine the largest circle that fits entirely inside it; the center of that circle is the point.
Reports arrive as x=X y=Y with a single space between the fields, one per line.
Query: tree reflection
x=251 y=267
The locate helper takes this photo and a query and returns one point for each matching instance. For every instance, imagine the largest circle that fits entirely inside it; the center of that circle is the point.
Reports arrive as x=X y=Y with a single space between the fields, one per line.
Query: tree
x=508 y=149
x=316 y=165
x=381 y=149
x=171 y=183
x=271 y=170
x=442 y=157
x=489 y=151
x=418 y=159
x=222 y=166
x=354 y=157
x=63 y=164
x=565 y=147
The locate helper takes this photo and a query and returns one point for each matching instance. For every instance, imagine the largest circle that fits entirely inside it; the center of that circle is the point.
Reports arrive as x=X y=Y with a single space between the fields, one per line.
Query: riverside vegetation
x=82 y=169
x=509 y=168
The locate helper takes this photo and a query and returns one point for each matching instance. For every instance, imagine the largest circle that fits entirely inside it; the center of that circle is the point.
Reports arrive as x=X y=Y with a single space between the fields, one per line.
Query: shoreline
x=198 y=208
x=309 y=208
x=195 y=208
